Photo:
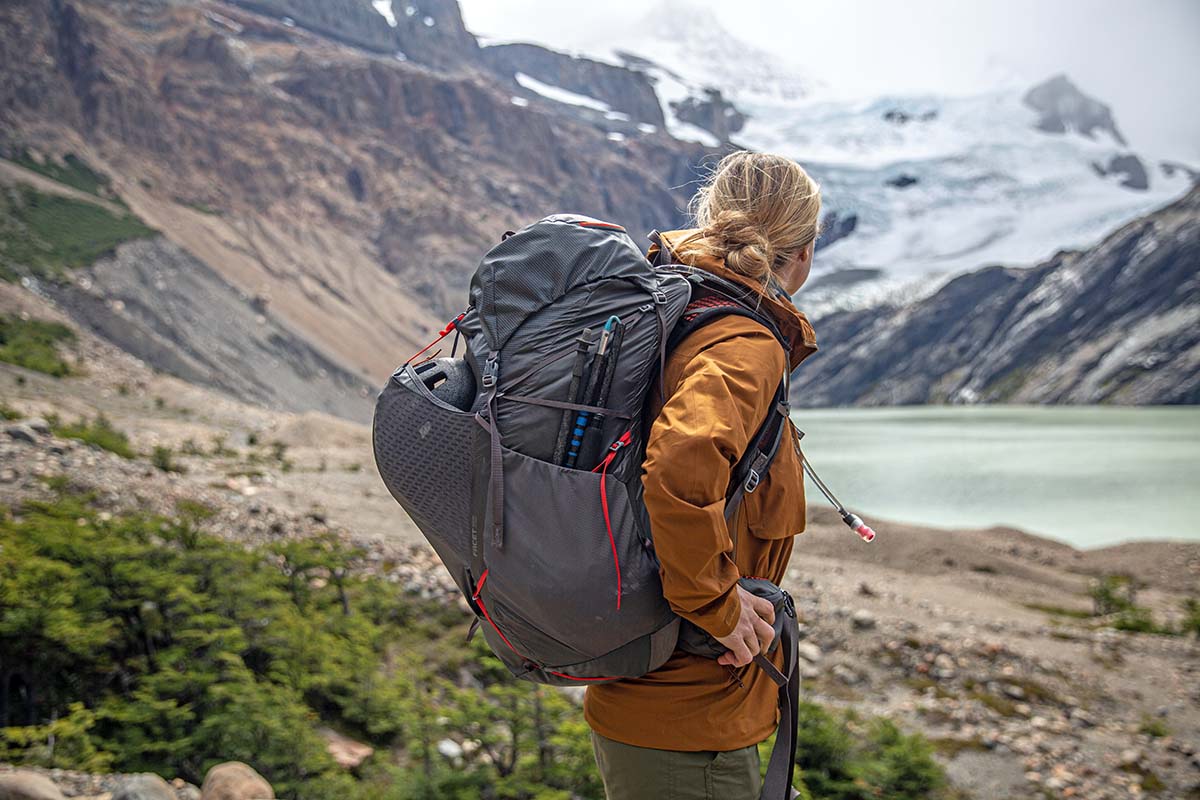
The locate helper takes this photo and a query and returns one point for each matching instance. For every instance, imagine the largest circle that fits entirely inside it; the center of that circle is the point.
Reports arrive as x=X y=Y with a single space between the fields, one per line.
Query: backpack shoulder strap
x=714 y=297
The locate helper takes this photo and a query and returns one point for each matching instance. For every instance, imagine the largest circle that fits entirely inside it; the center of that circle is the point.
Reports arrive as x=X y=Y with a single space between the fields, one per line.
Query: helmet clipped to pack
x=450 y=380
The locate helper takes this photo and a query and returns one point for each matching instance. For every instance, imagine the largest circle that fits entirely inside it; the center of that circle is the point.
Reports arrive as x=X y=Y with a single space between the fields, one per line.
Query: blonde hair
x=756 y=211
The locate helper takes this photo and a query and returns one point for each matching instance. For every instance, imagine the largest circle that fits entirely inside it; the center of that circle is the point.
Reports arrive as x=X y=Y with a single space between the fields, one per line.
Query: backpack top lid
x=545 y=260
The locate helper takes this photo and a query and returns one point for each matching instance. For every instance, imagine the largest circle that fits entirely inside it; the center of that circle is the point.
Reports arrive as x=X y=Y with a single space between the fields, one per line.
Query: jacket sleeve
x=720 y=399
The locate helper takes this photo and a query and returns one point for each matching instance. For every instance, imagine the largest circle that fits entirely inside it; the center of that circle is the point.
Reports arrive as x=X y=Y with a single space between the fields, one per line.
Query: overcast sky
x=1142 y=57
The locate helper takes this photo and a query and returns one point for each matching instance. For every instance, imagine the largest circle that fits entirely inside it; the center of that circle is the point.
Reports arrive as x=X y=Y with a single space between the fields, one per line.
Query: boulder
x=810 y=652
x=146 y=786
x=21 y=432
x=28 y=785
x=39 y=426
x=862 y=620
x=234 y=780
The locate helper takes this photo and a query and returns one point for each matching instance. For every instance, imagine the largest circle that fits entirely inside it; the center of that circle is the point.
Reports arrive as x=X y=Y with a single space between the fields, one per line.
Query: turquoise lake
x=1088 y=476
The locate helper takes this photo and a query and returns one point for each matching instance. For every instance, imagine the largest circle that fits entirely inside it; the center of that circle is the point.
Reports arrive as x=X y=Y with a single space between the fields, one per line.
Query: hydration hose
x=853 y=521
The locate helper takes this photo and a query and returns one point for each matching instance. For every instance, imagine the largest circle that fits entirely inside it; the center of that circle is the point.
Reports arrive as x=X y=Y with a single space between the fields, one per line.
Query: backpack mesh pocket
x=423 y=449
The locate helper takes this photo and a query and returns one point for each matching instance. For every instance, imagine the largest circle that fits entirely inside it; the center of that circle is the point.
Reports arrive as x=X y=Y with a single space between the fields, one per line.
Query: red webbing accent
x=479 y=600
x=603 y=467
x=692 y=309
x=587 y=224
x=442 y=335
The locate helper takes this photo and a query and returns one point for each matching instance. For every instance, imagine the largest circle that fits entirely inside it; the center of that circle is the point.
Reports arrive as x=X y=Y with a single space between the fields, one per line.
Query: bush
x=187 y=650
x=846 y=759
x=1191 y=617
x=46 y=234
x=99 y=433
x=33 y=344
x=72 y=172
x=163 y=458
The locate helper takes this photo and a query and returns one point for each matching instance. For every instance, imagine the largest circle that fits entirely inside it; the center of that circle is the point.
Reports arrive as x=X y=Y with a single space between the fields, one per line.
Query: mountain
x=1117 y=323
x=937 y=184
x=321 y=169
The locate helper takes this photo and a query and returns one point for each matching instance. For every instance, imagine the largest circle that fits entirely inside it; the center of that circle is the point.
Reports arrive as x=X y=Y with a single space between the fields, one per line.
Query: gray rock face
x=350 y=21
x=171 y=310
x=1129 y=167
x=428 y=31
x=24 y=785
x=1062 y=107
x=625 y=90
x=144 y=787
x=836 y=226
x=712 y=112
x=1119 y=323
x=21 y=432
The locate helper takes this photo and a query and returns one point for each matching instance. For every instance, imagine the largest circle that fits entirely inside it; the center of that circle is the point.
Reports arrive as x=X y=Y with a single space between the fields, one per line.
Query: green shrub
x=45 y=235
x=190 y=650
x=33 y=344
x=843 y=758
x=163 y=458
x=7 y=412
x=72 y=172
x=98 y=432
x=1153 y=726
x=1191 y=617
x=1112 y=593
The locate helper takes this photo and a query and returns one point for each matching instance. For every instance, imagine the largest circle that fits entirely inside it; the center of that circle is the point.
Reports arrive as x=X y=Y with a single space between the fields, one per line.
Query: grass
x=163 y=459
x=1060 y=611
x=46 y=235
x=1154 y=727
x=1001 y=705
x=950 y=747
x=33 y=344
x=9 y=413
x=73 y=172
x=922 y=684
x=98 y=433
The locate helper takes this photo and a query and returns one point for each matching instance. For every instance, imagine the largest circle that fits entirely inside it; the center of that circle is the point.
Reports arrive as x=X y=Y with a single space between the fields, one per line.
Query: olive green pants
x=640 y=773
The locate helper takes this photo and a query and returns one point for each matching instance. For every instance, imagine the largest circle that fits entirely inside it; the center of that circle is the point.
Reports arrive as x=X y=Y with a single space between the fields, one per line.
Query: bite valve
x=865 y=532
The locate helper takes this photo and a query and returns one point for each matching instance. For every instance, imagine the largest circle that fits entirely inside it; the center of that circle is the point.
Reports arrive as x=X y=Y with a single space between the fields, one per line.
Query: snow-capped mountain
x=932 y=185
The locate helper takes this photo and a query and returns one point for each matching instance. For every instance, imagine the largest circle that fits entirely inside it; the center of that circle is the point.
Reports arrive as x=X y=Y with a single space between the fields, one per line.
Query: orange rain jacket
x=719 y=381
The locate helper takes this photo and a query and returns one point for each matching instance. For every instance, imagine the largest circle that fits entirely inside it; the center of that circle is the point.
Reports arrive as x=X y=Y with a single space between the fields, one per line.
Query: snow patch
x=384 y=7
x=646 y=127
x=428 y=21
x=560 y=95
x=614 y=136
x=519 y=102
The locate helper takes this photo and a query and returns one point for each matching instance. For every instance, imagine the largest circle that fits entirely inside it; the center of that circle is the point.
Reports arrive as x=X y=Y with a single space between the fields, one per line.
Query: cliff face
x=1119 y=323
x=351 y=192
x=626 y=91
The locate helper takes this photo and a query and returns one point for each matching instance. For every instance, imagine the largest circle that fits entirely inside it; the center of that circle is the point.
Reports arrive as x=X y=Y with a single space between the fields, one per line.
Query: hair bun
x=741 y=243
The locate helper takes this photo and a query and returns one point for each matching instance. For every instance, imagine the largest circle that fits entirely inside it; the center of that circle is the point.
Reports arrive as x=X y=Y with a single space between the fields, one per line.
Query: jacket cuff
x=720 y=617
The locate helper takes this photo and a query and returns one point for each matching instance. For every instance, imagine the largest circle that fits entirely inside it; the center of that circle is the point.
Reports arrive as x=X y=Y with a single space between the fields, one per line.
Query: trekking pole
x=854 y=521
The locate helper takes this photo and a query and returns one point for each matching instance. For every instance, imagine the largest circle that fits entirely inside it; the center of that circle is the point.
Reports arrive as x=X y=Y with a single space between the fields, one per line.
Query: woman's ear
x=806 y=252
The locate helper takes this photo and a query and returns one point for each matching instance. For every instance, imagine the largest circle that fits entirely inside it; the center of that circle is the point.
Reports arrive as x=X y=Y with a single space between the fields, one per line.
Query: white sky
x=1142 y=57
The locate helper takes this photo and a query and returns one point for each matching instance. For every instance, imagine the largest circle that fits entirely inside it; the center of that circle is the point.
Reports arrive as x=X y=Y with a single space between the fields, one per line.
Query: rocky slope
x=980 y=639
x=1118 y=323
x=348 y=192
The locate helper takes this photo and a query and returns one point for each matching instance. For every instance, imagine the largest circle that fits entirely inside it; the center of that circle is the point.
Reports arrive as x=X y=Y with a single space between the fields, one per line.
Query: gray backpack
x=520 y=462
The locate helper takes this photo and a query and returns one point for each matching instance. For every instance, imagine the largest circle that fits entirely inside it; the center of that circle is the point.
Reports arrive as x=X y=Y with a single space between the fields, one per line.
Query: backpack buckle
x=491 y=371
x=660 y=296
x=752 y=481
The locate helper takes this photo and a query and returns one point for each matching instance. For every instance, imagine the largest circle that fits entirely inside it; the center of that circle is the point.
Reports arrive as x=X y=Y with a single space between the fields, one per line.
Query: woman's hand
x=753 y=634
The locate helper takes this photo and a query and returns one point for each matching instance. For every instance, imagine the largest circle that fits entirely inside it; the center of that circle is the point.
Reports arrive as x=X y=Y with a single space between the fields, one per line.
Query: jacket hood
x=793 y=324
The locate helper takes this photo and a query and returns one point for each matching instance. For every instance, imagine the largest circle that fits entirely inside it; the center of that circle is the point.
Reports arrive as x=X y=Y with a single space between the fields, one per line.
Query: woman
x=690 y=729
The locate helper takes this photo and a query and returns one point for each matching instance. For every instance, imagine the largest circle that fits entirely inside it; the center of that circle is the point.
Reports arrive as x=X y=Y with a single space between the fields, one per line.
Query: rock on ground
x=146 y=786
x=234 y=780
x=23 y=785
